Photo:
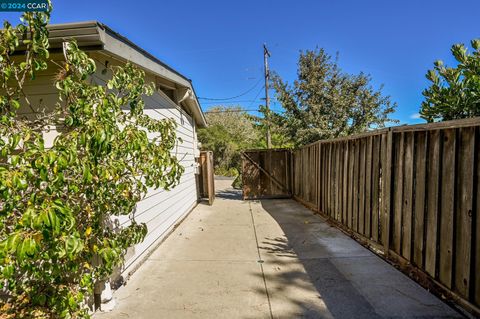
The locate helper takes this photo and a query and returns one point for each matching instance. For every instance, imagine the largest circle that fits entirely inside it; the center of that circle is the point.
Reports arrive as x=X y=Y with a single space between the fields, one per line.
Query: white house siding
x=161 y=210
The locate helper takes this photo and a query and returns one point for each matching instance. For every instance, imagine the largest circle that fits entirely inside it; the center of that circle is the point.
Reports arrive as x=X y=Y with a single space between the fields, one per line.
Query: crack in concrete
x=260 y=258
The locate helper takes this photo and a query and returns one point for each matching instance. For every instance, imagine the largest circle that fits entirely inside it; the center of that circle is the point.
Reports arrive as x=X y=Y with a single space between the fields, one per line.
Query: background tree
x=455 y=91
x=230 y=130
x=279 y=136
x=325 y=102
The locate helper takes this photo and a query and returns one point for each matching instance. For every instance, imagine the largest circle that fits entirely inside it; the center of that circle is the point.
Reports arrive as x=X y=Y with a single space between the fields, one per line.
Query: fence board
x=387 y=154
x=376 y=155
x=322 y=177
x=345 y=184
x=419 y=204
x=361 y=188
x=206 y=176
x=476 y=215
x=368 y=187
x=433 y=187
x=356 y=177
x=331 y=182
x=407 y=196
x=447 y=207
x=337 y=186
x=351 y=158
x=398 y=192
x=464 y=209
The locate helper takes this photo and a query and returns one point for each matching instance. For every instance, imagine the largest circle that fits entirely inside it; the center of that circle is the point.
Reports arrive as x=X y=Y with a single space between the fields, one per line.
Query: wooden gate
x=266 y=174
x=206 y=177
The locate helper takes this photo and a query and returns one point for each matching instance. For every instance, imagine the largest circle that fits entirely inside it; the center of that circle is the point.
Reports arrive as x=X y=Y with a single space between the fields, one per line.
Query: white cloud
x=415 y=116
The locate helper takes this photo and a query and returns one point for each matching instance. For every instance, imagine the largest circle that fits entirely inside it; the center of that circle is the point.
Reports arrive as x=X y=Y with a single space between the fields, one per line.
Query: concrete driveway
x=267 y=259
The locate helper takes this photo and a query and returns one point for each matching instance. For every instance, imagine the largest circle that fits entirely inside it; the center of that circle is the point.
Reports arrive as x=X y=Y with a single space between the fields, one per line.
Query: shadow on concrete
x=301 y=243
x=231 y=194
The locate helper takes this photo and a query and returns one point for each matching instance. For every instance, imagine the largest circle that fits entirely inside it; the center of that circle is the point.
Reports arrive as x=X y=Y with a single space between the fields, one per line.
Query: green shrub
x=56 y=204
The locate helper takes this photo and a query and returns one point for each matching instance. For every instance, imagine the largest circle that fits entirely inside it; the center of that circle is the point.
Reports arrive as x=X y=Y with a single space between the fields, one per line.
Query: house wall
x=161 y=210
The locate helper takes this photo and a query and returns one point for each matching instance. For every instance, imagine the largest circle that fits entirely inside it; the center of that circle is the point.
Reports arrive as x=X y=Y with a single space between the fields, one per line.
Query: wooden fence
x=206 y=177
x=411 y=192
x=266 y=174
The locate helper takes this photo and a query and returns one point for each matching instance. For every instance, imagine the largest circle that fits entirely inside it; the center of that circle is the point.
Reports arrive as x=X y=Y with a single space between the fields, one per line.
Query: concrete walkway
x=267 y=259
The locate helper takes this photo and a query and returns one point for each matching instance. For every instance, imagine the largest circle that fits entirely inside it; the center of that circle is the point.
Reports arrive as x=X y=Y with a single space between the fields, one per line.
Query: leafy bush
x=222 y=171
x=56 y=204
x=454 y=92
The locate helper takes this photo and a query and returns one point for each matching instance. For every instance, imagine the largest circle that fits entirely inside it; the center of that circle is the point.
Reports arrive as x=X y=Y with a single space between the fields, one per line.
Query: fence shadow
x=301 y=247
x=231 y=194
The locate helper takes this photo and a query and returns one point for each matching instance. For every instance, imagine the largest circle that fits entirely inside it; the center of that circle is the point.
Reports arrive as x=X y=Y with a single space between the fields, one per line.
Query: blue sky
x=218 y=44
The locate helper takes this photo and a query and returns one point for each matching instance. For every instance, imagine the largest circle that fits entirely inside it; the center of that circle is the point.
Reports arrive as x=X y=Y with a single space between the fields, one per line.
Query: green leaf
x=13 y=241
x=87 y=174
x=73 y=246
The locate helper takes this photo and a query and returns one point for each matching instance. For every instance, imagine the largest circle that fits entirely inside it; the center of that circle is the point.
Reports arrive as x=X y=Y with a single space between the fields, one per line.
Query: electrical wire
x=232 y=97
x=255 y=98
x=227 y=102
x=231 y=111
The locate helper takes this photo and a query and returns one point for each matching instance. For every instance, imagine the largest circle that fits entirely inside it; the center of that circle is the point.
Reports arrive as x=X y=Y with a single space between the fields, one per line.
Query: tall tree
x=325 y=102
x=278 y=135
x=455 y=91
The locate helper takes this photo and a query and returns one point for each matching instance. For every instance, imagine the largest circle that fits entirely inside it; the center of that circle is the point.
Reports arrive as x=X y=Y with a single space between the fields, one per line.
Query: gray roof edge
x=72 y=25
x=101 y=27
x=125 y=40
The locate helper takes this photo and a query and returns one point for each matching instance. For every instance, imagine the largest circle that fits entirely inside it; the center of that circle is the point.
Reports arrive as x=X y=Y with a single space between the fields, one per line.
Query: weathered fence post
x=387 y=156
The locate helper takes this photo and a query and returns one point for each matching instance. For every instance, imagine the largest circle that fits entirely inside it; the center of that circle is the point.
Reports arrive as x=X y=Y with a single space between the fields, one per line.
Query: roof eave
x=94 y=34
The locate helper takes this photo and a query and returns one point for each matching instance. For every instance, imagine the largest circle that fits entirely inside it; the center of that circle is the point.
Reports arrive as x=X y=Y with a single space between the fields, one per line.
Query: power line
x=239 y=101
x=232 y=97
x=232 y=111
x=228 y=102
x=255 y=98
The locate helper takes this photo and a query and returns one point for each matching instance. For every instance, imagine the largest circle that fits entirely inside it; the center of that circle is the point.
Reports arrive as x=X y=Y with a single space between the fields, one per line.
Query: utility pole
x=266 y=55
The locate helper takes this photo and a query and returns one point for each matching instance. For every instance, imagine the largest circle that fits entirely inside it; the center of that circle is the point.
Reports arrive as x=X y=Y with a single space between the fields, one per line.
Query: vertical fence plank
x=356 y=174
x=398 y=146
x=325 y=181
x=407 y=196
x=447 y=207
x=433 y=187
x=351 y=157
x=310 y=175
x=334 y=181
x=345 y=184
x=331 y=183
x=419 y=205
x=313 y=165
x=464 y=210
x=476 y=215
x=387 y=149
x=368 y=186
x=361 y=188
x=322 y=178
x=375 y=187
x=319 y=177
x=338 y=183
x=324 y=174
